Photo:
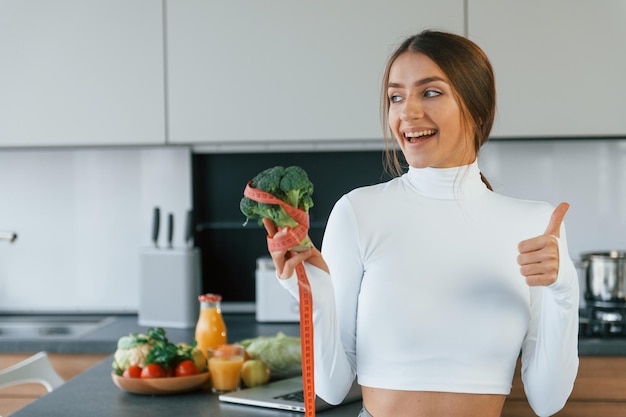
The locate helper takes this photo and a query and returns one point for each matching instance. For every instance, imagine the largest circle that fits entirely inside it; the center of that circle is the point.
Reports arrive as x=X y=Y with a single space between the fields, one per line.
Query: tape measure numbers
x=306 y=340
x=291 y=240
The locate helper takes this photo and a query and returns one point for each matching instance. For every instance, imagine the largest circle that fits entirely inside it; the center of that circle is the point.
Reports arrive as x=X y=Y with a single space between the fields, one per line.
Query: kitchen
x=101 y=128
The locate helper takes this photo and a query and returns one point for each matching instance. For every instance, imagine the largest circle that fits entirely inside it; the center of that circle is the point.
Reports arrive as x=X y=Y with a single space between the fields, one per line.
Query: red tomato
x=153 y=371
x=186 y=368
x=133 y=371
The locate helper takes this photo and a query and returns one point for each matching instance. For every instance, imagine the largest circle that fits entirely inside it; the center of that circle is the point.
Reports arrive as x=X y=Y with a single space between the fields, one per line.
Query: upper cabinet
x=559 y=65
x=81 y=72
x=283 y=70
x=119 y=72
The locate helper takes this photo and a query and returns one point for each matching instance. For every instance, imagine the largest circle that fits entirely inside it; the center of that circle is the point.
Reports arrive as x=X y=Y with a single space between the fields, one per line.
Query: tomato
x=186 y=368
x=153 y=371
x=133 y=371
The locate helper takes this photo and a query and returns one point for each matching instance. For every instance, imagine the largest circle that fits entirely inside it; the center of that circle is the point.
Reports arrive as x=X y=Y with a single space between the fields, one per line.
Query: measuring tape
x=289 y=241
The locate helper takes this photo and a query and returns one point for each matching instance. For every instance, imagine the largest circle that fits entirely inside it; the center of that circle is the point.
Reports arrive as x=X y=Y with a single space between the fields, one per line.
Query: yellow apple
x=255 y=372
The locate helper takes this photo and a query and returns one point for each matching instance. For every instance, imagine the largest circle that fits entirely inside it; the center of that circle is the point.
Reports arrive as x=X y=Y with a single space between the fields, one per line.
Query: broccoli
x=291 y=185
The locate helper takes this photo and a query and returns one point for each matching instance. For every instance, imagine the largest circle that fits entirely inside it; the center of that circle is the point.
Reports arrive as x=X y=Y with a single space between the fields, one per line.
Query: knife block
x=170 y=284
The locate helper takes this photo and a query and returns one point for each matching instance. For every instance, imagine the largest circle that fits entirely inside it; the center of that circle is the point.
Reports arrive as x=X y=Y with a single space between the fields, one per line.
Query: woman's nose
x=413 y=109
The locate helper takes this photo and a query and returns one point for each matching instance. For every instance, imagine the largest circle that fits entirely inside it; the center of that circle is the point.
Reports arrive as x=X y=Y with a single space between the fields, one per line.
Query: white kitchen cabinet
x=81 y=72
x=280 y=70
x=559 y=65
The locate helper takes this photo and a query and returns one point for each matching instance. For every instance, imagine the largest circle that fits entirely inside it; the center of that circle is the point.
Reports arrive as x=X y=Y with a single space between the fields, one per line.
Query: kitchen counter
x=240 y=326
x=99 y=396
x=94 y=394
x=104 y=339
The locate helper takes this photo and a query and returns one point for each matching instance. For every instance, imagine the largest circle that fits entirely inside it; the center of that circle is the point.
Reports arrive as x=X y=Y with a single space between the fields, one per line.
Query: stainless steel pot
x=605 y=276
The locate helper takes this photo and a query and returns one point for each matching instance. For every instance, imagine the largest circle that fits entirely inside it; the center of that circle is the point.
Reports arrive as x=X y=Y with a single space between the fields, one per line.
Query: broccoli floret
x=269 y=180
x=291 y=185
x=255 y=210
x=297 y=188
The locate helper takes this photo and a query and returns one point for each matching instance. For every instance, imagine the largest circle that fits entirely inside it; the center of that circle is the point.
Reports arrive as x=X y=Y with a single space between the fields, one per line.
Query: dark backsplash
x=230 y=250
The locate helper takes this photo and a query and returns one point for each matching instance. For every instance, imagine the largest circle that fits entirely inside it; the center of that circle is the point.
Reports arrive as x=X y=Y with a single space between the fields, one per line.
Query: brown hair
x=471 y=76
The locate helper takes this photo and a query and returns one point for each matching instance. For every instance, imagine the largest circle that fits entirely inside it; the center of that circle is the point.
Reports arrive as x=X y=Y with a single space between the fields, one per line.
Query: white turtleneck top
x=425 y=293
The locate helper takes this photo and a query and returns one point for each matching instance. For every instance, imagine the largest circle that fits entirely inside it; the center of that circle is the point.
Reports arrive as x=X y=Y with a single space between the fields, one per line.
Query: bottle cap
x=210 y=297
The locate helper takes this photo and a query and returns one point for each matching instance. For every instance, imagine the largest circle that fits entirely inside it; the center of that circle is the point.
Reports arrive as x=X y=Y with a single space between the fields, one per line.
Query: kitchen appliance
x=273 y=302
x=604 y=314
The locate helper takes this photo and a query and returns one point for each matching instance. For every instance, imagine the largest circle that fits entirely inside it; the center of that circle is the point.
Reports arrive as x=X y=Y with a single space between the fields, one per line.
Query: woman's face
x=424 y=115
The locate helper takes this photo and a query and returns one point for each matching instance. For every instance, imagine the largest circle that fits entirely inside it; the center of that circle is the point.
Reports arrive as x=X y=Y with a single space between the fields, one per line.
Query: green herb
x=163 y=352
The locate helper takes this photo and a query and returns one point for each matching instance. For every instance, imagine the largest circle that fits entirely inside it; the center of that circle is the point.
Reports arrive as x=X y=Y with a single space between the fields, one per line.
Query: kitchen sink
x=50 y=326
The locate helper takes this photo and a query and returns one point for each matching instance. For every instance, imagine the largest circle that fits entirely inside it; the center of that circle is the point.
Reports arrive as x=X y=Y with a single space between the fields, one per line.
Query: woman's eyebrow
x=419 y=82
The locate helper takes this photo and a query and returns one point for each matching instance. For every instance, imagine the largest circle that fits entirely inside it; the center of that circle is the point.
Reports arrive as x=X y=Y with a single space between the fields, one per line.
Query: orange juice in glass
x=225 y=364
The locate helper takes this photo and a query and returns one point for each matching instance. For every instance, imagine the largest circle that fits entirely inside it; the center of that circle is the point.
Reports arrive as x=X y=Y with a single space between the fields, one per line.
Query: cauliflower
x=124 y=358
x=132 y=350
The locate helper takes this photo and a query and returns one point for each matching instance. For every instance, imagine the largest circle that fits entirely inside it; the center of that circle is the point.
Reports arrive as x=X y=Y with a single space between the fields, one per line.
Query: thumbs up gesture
x=539 y=257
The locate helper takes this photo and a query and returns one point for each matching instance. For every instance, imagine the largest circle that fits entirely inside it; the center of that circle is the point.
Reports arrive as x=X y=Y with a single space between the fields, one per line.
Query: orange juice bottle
x=210 y=329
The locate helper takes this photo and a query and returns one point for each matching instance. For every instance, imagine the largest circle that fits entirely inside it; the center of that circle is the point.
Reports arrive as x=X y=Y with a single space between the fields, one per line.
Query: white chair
x=36 y=369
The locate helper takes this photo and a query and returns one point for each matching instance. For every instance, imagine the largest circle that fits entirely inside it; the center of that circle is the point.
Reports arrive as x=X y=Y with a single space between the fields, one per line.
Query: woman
x=431 y=284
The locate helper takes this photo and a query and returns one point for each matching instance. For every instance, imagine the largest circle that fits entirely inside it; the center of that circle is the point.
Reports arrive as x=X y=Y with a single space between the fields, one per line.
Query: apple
x=255 y=372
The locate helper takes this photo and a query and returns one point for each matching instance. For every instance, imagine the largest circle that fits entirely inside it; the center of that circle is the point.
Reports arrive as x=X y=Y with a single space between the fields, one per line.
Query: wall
x=82 y=217
x=589 y=174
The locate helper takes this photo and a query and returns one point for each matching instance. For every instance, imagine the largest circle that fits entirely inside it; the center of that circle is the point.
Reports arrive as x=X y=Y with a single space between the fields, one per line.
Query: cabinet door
x=81 y=72
x=559 y=65
x=282 y=70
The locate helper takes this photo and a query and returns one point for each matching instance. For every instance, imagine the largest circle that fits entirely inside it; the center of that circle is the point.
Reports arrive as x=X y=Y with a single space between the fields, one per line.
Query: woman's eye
x=432 y=93
x=394 y=98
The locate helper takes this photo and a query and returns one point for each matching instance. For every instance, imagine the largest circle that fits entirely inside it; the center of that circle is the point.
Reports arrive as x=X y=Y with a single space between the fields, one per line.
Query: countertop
x=94 y=394
x=104 y=339
x=241 y=326
x=99 y=396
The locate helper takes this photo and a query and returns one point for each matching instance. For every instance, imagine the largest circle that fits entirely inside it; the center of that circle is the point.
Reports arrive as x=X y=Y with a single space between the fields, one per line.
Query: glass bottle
x=210 y=329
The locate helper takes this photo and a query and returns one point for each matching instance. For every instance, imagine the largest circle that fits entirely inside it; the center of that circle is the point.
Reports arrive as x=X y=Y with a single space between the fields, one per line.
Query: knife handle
x=189 y=228
x=170 y=229
x=156 y=219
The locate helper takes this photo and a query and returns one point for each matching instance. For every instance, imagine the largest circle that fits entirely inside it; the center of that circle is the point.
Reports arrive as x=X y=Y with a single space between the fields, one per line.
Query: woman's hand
x=539 y=257
x=286 y=261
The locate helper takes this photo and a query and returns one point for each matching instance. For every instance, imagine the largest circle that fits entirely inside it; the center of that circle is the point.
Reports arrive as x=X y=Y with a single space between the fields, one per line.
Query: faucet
x=8 y=236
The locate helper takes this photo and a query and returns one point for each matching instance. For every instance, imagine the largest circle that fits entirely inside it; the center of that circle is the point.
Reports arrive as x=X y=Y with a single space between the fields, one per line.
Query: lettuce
x=281 y=353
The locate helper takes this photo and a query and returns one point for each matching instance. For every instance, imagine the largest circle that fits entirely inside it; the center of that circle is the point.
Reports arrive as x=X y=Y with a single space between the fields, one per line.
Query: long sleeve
x=334 y=323
x=436 y=249
x=550 y=348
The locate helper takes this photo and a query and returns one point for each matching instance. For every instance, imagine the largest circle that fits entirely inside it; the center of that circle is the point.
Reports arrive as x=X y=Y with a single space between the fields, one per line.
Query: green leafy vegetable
x=281 y=353
x=163 y=352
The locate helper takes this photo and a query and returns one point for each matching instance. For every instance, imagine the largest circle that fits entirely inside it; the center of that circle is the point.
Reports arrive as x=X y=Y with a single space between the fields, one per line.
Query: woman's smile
x=415 y=136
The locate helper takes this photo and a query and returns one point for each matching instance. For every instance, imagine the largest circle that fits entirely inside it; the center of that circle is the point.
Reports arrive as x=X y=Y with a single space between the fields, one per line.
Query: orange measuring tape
x=291 y=240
